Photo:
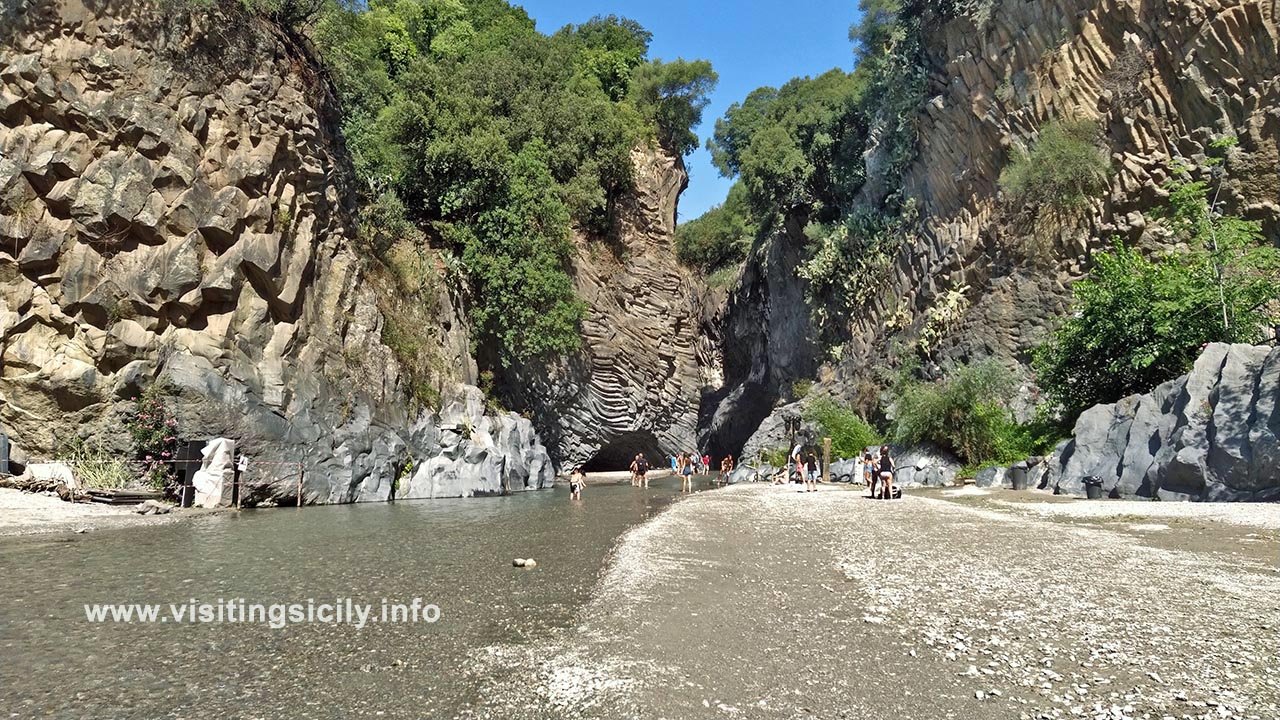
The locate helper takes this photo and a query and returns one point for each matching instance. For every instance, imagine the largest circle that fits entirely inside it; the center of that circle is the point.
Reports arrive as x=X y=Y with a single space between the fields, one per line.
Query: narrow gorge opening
x=618 y=453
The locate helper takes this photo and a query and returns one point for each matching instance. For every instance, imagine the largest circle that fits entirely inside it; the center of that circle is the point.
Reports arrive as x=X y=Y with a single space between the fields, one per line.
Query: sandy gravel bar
x=760 y=602
x=24 y=513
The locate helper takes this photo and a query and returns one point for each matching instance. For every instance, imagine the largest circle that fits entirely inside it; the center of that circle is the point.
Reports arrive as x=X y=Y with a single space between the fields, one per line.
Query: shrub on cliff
x=1139 y=322
x=1064 y=168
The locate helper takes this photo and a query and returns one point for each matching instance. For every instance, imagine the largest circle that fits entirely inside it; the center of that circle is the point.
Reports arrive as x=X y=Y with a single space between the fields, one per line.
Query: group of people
x=878 y=471
x=807 y=466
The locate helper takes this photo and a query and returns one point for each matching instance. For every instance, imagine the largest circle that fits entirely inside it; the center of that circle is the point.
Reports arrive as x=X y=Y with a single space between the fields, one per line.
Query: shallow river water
x=455 y=554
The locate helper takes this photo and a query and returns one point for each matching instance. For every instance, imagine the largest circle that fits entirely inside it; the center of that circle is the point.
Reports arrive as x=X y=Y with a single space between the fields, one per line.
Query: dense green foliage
x=968 y=412
x=464 y=120
x=799 y=146
x=850 y=434
x=1064 y=168
x=1139 y=322
x=720 y=237
x=802 y=151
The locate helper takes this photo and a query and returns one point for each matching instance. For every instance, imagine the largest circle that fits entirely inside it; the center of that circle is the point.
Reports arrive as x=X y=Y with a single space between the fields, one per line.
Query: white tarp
x=216 y=474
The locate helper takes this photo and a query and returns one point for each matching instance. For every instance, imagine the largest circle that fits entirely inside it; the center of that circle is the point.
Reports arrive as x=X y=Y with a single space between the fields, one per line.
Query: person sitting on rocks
x=577 y=481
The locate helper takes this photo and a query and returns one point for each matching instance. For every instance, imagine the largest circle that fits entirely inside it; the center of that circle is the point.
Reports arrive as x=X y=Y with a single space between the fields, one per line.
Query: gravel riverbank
x=25 y=513
x=762 y=602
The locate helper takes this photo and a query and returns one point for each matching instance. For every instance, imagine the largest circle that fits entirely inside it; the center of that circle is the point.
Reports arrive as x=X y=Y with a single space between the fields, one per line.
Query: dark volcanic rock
x=1209 y=435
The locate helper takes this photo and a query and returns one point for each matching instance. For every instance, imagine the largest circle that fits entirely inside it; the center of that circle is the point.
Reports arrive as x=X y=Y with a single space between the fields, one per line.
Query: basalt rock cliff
x=635 y=385
x=1162 y=79
x=175 y=208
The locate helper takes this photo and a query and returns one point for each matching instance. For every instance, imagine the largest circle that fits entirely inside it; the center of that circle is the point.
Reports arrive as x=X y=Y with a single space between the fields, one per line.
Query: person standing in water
x=726 y=469
x=642 y=470
x=577 y=481
x=686 y=472
x=635 y=470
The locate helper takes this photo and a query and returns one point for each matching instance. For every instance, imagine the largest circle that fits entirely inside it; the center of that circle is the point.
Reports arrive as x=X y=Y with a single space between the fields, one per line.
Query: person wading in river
x=686 y=472
x=635 y=470
x=642 y=470
x=726 y=469
x=577 y=480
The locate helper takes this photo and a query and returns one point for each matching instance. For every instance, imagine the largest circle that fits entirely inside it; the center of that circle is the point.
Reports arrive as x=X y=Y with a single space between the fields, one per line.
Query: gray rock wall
x=635 y=384
x=1209 y=435
x=175 y=209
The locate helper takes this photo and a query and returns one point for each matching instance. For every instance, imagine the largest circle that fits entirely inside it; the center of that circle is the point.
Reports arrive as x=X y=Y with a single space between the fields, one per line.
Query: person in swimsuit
x=577 y=481
x=635 y=470
x=886 y=468
x=642 y=470
x=869 y=472
x=686 y=472
x=726 y=468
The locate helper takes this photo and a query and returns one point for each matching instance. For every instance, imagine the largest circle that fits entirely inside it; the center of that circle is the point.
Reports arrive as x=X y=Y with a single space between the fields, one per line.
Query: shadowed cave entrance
x=618 y=453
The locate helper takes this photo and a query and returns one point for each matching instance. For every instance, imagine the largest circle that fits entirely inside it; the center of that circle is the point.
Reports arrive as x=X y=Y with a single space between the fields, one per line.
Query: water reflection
x=454 y=553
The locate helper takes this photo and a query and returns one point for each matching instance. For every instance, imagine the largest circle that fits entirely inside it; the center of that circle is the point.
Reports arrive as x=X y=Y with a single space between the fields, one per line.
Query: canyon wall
x=175 y=208
x=634 y=387
x=1161 y=79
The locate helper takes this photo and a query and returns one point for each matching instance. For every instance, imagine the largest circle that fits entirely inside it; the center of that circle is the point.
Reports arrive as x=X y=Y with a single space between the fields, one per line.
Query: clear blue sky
x=750 y=43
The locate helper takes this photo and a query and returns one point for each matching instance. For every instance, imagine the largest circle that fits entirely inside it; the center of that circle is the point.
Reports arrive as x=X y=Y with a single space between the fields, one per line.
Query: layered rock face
x=1213 y=434
x=174 y=209
x=635 y=384
x=1162 y=79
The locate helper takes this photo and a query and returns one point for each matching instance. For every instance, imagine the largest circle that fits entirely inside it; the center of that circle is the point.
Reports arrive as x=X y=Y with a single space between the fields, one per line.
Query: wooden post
x=299 y=484
x=826 y=460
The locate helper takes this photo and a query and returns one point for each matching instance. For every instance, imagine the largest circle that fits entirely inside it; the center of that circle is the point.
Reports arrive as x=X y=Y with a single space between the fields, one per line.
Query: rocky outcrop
x=764 y=335
x=635 y=384
x=1213 y=434
x=175 y=209
x=1161 y=79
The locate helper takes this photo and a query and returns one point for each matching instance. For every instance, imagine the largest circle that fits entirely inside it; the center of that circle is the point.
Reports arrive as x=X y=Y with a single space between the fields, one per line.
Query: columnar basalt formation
x=175 y=209
x=635 y=384
x=1163 y=80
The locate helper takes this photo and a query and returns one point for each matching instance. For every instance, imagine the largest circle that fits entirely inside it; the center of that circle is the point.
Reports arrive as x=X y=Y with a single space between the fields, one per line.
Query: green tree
x=672 y=96
x=1138 y=322
x=720 y=237
x=496 y=141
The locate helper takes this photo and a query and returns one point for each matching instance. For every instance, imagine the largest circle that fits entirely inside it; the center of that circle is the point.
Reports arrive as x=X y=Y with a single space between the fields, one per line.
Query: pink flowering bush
x=154 y=430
